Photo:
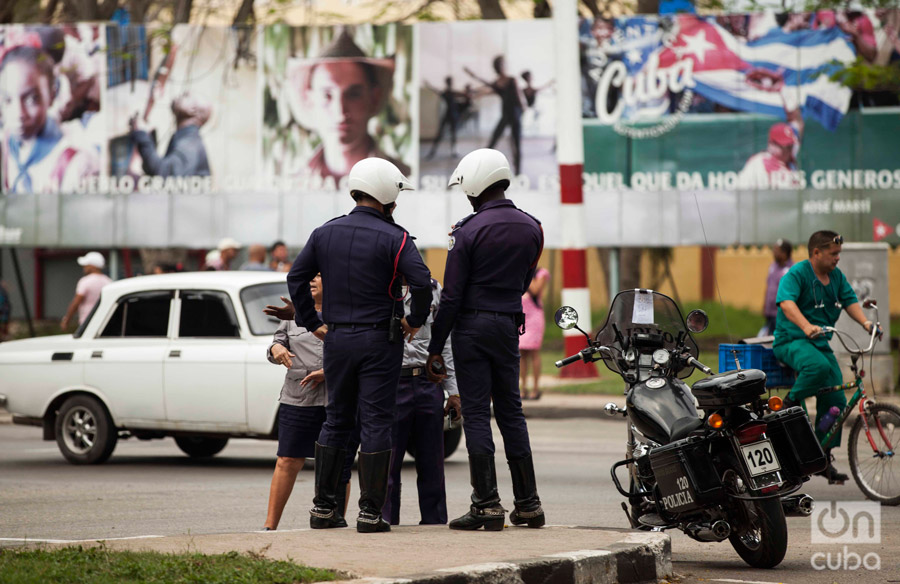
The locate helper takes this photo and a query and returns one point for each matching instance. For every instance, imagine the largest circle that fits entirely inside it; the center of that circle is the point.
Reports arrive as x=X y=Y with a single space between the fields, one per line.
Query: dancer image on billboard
x=496 y=91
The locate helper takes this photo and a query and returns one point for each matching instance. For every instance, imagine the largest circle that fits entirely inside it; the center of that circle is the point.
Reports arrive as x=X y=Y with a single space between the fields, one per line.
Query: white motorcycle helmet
x=379 y=179
x=480 y=169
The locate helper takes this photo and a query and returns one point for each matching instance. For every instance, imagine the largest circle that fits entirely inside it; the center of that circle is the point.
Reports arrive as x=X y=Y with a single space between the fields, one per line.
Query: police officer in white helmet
x=492 y=259
x=363 y=257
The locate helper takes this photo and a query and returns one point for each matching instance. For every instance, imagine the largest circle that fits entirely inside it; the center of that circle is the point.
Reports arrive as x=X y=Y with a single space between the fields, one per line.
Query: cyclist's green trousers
x=816 y=369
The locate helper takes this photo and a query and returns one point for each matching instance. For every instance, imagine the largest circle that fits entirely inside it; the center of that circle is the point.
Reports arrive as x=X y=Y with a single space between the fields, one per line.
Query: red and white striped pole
x=570 y=154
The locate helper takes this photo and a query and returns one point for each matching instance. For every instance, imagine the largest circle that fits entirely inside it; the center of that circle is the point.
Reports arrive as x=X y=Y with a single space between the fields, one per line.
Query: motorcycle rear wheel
x=759 y=530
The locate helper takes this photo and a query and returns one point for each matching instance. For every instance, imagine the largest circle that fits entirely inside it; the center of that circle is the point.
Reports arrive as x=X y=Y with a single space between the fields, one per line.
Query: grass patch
x=100 y=565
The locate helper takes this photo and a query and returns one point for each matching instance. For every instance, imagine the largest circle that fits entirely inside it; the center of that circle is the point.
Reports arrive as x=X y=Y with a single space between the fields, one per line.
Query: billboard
x=722 y=129
x=741 y=112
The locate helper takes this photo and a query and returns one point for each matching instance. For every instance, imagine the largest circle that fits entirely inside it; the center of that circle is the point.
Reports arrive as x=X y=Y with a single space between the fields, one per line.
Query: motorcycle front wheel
x=758 y=527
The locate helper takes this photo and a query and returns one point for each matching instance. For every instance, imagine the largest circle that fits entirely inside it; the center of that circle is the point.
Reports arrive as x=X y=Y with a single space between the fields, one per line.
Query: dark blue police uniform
x=356 y=255
x=492 y=259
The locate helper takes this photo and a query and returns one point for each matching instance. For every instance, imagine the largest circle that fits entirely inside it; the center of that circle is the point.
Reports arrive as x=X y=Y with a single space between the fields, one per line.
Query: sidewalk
x=434 y=554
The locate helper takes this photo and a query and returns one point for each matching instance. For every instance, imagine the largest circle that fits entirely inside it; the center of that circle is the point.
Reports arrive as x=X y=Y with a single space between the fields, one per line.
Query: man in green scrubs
x=812 y=295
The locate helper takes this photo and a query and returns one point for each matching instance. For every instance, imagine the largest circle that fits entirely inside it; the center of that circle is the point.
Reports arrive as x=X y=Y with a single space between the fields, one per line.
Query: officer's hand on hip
x=408 y=331
x=321 y=332
x=285 y=312
x=435 y=368
x=454 y=404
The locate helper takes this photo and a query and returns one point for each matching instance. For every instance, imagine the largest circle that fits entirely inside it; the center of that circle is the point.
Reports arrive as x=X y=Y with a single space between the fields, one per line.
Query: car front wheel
x=84 y=431
x=200 y=447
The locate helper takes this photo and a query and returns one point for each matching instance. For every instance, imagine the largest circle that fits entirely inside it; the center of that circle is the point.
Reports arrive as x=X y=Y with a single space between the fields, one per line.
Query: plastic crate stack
x=756 y=357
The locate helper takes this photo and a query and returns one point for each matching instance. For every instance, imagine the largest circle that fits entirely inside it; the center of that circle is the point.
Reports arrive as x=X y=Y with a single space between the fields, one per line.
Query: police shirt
x=355 y=254
x=492 y=258
x=820 y=304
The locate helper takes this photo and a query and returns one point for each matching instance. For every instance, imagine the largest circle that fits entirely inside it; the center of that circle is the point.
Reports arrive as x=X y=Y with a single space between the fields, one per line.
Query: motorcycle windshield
x=645 y=311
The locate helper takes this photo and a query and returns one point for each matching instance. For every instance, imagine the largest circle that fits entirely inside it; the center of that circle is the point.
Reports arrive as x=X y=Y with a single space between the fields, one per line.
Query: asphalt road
x=151 y=488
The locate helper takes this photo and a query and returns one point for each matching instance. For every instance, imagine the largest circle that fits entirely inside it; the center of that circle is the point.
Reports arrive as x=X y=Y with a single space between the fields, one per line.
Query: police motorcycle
x=717 y=460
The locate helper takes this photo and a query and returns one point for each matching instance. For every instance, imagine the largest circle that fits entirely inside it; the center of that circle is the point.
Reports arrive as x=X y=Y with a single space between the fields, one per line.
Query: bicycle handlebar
x=876 y=329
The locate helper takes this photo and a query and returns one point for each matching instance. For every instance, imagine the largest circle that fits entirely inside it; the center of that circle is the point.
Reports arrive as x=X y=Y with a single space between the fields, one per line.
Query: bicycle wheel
x=877 y=473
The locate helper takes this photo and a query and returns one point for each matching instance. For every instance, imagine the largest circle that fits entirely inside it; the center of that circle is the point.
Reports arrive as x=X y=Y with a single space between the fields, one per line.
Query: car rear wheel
x=200 y=447
x=84 y=431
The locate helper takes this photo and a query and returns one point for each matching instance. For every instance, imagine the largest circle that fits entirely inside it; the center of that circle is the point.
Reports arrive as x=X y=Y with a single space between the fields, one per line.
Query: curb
x=640 y=557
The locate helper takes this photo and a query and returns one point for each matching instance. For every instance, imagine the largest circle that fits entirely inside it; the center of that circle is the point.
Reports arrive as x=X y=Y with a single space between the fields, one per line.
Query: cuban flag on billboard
x=738 y=74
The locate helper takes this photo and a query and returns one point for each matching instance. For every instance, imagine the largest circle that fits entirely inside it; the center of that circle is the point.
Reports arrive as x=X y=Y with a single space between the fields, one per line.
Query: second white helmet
x=378 y=178
x=480 y=169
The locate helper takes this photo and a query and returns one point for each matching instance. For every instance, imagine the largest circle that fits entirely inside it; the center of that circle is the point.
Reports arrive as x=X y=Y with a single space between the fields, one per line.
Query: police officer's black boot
x=341 y=498
x=485 y=510
x=325 y=512
x=528 y=505
x=373 y=479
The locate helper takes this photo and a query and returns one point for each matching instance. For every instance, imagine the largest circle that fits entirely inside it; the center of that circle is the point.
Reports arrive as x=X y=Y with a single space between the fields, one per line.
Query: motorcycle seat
x=682 y=427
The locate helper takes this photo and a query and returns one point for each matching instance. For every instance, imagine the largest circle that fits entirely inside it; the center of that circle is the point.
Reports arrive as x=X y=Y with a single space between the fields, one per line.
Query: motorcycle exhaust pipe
x=798 y=505
x=718 y=531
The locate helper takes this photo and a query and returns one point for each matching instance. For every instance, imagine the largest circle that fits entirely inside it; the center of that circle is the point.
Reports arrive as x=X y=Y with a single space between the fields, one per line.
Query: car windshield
x=255 y=298
x=645 y=311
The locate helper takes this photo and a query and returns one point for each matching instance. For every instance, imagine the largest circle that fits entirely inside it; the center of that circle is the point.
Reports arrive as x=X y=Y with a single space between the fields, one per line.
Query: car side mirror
x=566 y=318
x=697 y=321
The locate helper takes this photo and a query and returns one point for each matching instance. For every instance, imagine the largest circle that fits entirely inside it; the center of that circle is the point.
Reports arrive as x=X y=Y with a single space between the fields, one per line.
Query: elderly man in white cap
x=87 y=291
x=228 y=249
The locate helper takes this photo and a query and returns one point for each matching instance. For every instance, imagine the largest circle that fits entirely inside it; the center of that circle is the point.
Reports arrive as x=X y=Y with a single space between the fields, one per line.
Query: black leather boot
x=528 y=504
x=834 y=476
x=341 y=498
x=373 y=479
x=485 y=510
x=325 y=513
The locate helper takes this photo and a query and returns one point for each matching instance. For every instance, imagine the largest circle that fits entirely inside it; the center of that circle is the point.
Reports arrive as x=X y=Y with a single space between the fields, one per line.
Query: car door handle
x=61 y=357
x=97 y=355
x=175 y=353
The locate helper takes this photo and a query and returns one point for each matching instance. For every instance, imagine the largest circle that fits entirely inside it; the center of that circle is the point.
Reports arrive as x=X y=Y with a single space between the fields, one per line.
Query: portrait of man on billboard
x=336 y=104
x=49 y=106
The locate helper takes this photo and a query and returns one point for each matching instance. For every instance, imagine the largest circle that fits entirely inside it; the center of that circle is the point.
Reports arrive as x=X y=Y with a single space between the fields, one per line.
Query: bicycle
x=871 y=453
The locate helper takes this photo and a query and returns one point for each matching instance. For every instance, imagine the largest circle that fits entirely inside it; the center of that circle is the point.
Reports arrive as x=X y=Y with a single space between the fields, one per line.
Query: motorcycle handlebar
x=699 y=365
x=568 y=360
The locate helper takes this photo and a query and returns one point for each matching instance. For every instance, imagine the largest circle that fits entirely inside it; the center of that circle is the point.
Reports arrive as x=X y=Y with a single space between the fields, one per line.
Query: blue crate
x=756 y=357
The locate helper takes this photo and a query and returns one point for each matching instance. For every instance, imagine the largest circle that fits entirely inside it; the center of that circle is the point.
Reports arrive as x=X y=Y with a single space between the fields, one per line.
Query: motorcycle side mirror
x=869 y=303
x=697 y=321
x=566 y=318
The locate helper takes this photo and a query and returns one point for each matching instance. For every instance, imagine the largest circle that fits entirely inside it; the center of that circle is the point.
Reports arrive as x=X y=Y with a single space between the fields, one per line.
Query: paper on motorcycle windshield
x=643 y=308
x=663 y=316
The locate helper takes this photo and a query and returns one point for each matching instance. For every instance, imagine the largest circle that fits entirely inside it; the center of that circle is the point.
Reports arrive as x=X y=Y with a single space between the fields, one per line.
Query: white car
x=180 y=355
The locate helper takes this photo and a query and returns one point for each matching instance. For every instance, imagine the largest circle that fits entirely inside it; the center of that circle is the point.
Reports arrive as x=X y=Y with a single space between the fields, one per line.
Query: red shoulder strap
x=396 y=262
